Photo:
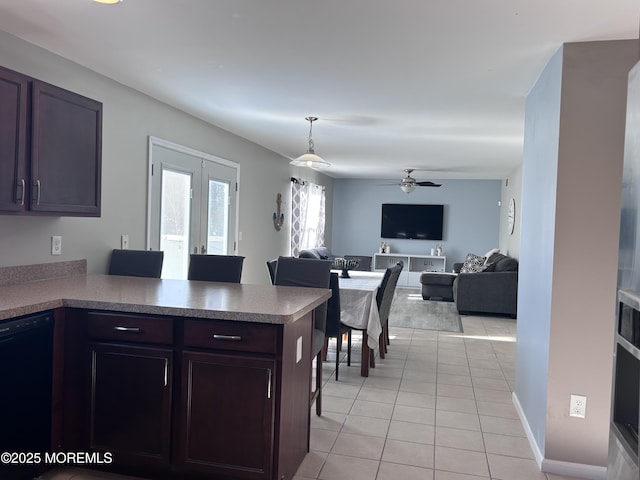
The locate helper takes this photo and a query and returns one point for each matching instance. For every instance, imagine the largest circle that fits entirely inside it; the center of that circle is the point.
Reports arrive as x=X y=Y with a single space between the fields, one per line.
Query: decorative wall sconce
x=278 y=216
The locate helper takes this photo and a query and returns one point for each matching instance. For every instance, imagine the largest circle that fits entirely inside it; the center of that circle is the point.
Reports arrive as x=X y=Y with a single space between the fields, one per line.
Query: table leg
x=364 y=360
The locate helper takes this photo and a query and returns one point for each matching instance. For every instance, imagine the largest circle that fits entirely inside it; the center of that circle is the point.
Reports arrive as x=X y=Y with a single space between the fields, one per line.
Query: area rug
x=411 y=311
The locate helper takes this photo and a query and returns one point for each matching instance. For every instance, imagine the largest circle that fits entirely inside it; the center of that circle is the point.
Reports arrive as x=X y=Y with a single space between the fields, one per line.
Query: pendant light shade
x=310 y=159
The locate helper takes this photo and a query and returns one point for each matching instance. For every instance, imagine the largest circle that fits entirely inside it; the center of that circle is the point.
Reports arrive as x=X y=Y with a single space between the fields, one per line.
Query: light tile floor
x=438 y=407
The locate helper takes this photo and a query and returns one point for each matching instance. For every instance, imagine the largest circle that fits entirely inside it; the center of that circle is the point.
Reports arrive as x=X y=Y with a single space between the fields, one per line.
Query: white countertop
x=225 y=301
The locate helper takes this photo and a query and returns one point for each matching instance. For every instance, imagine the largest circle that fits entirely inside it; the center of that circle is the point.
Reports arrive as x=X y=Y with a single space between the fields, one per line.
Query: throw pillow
x=472 y=264
x=489 y=253
x=489 y=267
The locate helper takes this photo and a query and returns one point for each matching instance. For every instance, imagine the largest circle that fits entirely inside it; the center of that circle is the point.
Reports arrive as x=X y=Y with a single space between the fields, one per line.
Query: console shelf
x=414 y=265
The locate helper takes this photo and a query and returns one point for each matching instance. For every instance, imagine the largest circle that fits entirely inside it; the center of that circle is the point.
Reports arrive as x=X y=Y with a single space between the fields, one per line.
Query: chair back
x=364 y=262
x=136 y=263
x=215 y=268
x=306 y=272
x=272 y=265
x=386 y=290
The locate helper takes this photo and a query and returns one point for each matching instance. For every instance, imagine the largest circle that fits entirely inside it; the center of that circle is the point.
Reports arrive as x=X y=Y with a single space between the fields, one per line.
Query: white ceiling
x=433 y=84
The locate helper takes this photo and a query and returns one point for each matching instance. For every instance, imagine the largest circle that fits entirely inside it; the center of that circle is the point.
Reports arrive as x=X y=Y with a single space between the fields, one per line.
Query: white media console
x=414 y=265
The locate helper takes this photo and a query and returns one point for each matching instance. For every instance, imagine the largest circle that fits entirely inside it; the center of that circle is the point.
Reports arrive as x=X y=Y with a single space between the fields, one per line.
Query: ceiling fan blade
x=428 y=184
x=389 y=184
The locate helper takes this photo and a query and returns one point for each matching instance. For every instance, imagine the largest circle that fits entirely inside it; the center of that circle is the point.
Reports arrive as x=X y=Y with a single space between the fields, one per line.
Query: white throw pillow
x=472 y=264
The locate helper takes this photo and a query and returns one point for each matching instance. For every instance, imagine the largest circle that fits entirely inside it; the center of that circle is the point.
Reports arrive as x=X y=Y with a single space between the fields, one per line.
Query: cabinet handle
x=22 y=190
x=235 y=338
x=166 y=371
x=268 y=383
x=37 y=192
x=127 y=329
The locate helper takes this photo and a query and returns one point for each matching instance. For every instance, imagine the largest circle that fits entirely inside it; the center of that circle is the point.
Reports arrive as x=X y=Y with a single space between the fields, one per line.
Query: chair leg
x=337 y=359
x=349 y=348
x=381 y=344
x=319 y=384
x=325 y=349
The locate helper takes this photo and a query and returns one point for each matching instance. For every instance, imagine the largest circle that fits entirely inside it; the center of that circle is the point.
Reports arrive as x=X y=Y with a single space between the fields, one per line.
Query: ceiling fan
x=408 y=184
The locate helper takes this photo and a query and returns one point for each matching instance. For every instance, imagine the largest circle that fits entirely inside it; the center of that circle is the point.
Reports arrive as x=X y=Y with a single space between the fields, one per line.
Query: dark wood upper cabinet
x=50 y=149
x=14 y=95
x=66 y=146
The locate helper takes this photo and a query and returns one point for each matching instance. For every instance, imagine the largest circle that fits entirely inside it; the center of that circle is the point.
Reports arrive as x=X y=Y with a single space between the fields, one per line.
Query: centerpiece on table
x=344 y=264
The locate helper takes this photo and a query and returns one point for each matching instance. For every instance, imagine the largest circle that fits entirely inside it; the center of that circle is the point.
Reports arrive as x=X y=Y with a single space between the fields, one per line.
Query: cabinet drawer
x=223 y=335
x=130 y=328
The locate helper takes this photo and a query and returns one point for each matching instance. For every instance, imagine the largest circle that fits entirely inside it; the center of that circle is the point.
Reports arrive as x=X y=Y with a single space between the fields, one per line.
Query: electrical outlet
x=56 y=245
x=124 y=242
x=578 y=406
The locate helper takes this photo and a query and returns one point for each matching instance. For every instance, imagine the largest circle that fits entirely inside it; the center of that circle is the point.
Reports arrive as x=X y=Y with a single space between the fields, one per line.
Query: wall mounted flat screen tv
x=412 y=221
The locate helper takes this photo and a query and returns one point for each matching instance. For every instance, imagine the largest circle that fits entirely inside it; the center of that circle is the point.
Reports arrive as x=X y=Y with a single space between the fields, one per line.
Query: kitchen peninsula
x=178 y=379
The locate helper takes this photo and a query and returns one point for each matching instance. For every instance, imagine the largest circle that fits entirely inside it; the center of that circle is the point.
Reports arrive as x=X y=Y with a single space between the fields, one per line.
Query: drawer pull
x=235 y=338
x=127 y=329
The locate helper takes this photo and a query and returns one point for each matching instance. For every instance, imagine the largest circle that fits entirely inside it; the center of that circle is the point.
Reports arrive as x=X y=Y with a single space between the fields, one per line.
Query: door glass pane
x=218 y=218
x=174 y=223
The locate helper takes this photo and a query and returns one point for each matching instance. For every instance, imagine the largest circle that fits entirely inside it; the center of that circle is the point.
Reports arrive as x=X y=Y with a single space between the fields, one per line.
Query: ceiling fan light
x=108 y=2
x=407 y=188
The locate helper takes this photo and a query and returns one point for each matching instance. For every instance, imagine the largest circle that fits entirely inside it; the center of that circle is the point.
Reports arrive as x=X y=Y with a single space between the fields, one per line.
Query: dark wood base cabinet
x=227 y=412
x=131 y=403
x=188 y=398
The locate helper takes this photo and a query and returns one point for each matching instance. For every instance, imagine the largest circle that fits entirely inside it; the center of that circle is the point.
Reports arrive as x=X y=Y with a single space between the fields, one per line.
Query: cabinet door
x=66 y=152
x=227 y=415
x=131 y=403
x=13 y=129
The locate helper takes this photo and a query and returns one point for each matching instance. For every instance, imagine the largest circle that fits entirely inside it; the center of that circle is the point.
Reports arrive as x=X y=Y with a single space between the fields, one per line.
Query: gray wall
x=572 y=169
x=471 y=217
x=129 y=119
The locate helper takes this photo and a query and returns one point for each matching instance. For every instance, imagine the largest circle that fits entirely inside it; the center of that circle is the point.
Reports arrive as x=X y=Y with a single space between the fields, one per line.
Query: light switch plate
x=124 y=242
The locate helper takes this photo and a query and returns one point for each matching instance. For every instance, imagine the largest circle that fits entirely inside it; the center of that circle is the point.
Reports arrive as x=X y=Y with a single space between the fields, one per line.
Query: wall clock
x=511 y=216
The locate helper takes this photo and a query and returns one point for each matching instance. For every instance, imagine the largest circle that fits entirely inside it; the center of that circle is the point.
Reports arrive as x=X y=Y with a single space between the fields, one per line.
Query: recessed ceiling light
x=108 y=2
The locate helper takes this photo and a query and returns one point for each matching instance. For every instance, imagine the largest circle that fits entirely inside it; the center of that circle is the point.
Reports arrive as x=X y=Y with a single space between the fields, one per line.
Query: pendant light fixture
x=310 y=159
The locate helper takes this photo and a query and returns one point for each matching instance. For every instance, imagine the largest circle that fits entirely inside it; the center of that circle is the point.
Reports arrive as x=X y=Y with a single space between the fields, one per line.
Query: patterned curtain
x=307 y=215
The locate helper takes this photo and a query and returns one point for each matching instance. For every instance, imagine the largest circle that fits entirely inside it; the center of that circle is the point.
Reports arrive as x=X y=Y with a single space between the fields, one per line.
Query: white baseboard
x=556 y=467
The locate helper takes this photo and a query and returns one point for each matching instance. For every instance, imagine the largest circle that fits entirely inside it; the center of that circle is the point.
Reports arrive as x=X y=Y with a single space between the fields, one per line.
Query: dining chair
x=272 y=265
x=384 y=298
x=136 y=263
x=335 y=328
x=215 y=268
x=307 y=272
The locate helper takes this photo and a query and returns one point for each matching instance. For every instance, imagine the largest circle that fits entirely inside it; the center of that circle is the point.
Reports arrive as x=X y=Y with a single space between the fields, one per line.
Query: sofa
x=494 y=290
x=319 y=253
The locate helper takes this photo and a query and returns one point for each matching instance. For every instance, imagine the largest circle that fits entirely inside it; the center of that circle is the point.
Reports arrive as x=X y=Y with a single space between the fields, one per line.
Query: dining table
x=359 y=310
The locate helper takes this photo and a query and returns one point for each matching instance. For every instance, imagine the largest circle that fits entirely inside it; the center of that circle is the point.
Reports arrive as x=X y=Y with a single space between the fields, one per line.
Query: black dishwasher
x=26 y=357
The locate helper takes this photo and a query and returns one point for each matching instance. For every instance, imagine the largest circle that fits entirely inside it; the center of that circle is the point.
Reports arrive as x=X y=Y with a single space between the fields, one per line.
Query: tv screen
x=412 y=221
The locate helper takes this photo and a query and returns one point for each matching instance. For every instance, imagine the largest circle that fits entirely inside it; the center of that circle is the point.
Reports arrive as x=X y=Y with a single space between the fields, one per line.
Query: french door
x=193 y=205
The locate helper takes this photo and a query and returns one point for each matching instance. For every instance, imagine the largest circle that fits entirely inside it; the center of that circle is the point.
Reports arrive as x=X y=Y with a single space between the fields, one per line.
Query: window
x=307 y=215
